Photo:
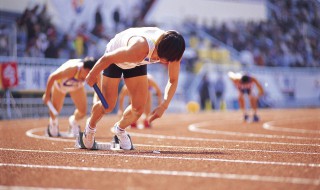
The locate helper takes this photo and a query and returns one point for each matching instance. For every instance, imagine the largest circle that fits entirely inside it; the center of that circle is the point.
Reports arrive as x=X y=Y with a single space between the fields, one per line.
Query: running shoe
x=124 y=138
x=74 y=129
x=53 y=130
x=246 y=117
x=88 y=136
x=88 y=139
x=255 y=118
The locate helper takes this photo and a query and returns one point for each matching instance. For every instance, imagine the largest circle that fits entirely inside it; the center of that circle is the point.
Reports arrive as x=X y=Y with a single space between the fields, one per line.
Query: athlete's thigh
x=79 y=98
x=109 y=90
x=57 y=98
x=138 y=90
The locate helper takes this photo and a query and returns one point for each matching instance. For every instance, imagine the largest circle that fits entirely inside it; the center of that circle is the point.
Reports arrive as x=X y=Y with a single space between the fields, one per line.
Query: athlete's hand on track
x=91 y=79
x=157 y=113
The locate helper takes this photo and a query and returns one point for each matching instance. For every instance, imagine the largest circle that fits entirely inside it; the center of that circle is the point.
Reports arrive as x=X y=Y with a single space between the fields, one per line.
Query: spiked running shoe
x=88 y=139
x=53 y=131
x=74 y=128
x=255 y=118
x=246 y=118
x=124 y=138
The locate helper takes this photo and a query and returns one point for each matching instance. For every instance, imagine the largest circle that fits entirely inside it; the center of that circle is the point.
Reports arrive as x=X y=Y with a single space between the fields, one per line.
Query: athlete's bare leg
x=241 y=101
x=57 y=99
x=138 y=90
x=148 y=105
x=253 y=103
x=109 y=90
x=80 y=101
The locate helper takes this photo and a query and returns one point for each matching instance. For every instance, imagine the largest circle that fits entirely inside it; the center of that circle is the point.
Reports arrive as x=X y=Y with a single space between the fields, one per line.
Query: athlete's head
x=245 y=79
x=89 y=62
x=171 y=46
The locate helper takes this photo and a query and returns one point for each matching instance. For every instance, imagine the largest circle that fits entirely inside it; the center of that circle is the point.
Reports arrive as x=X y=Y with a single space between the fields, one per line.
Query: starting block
x=114 y=145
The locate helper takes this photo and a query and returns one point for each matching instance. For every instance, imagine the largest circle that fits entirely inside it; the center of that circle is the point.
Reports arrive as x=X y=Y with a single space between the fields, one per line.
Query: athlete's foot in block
x=53 y=130
x=124 y=139
x=74 y=130
x=246 y=118
x=88 y=140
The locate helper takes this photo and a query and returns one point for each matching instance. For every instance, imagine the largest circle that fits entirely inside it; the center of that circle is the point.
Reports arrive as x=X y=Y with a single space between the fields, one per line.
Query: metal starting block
x=114 y=145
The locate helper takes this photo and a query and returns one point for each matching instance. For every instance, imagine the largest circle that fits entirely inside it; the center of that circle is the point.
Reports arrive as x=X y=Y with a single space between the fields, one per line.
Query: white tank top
x=151 y=34
x=70 y=84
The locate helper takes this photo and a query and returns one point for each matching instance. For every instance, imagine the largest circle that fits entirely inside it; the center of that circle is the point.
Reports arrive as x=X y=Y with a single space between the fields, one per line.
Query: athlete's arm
x=259 y=86
x=135 y=52
x=155 y=86
x=173 y=72
x=56 y=75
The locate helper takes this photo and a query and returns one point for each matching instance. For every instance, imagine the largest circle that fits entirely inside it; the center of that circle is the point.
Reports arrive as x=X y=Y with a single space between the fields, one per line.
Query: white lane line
x=226 y=149
x=277 y=179
x=30 y=133
x=270 y=126
x=160 y=156
x=2 y=187
x=218 y=140
x=196 y=128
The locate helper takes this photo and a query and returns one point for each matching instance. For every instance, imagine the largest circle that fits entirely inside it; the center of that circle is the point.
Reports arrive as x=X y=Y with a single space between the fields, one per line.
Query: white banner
x=68 y=15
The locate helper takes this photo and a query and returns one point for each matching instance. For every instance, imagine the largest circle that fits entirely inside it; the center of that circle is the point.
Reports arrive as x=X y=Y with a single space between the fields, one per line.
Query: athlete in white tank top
x=245 y=84
x=68 y=78
x=127 y=55
x=151 y=34
x=70 y=84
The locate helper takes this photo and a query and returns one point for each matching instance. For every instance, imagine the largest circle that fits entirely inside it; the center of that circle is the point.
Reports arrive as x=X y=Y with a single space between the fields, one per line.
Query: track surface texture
x=209 y=150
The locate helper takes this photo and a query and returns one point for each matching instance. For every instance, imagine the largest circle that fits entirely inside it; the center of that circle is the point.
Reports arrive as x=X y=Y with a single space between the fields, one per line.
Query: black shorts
x=113 y=71
x=246 y=91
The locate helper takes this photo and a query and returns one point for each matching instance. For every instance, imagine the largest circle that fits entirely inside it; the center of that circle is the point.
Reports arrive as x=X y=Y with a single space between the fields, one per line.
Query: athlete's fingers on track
x=153 y=117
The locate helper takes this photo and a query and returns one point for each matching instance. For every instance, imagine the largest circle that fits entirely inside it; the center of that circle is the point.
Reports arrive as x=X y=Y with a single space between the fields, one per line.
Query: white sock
x=118 y=129
x=89 y=129
x=53 y=122
x=73 y=121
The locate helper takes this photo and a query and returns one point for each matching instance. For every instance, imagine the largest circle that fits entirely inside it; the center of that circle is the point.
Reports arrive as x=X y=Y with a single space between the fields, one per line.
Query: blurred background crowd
x=288 y=37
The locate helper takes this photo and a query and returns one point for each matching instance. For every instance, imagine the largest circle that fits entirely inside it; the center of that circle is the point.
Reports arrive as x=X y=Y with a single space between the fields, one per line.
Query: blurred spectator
x=98 y=28
x=66 y=48
x=4 y=45
x=52 y=51
x=116 y=19
x=219 y=87
x=204 y=93
x=4 y=40
x=81 y=41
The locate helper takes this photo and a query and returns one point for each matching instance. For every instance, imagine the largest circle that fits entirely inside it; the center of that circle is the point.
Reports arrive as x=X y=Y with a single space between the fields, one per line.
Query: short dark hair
x=171 y=46
x=245 y=79
x=89 y=62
